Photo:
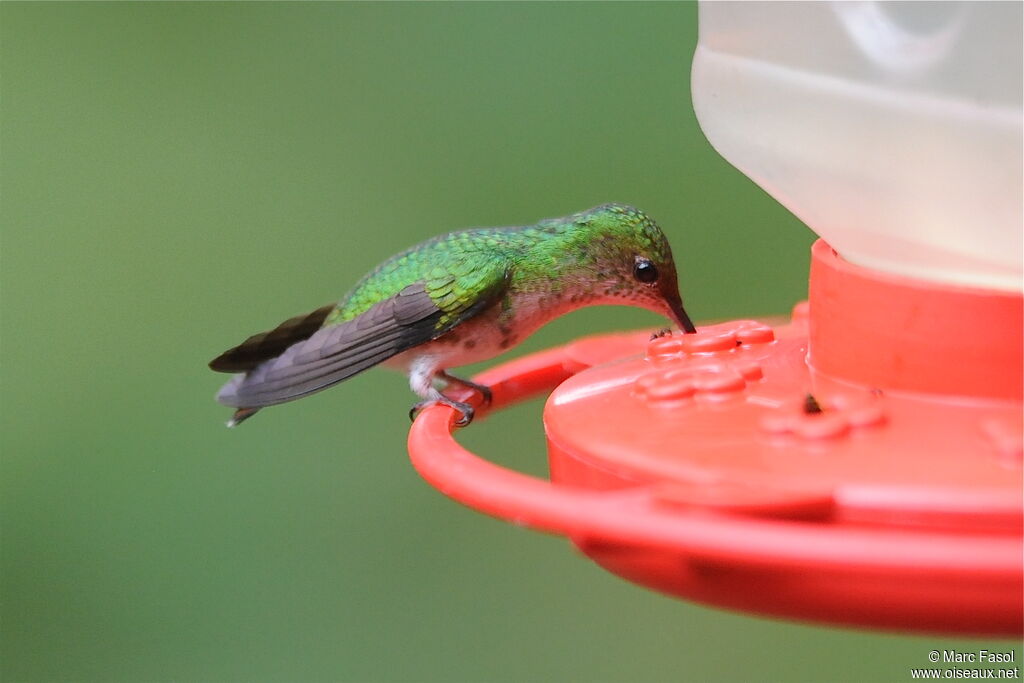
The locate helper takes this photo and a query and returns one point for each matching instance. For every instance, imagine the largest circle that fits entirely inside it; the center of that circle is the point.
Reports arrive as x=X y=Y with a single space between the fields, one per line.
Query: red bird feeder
x=860 y=463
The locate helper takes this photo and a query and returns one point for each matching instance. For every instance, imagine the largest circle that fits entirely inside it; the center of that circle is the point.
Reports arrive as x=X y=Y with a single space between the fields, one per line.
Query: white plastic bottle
x=893 y=129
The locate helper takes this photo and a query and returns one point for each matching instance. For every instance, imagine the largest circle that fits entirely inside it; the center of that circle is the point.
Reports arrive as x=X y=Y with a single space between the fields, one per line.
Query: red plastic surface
x=695 y=469
x=896 y=333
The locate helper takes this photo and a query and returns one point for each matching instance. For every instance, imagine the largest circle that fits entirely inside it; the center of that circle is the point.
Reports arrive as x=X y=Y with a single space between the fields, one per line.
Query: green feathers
x=456 y=270
x=575 y=255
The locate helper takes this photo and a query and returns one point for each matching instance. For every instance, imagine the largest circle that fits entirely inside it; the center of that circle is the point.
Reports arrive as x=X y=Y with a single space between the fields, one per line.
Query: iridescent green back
x=455 y=268
x=561 y=255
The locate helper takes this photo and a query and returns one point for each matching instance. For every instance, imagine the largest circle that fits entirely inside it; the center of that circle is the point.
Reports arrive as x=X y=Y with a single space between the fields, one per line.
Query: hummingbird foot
x=465 y=410
x=486 y=396
x=661 y=333
x=422 y=376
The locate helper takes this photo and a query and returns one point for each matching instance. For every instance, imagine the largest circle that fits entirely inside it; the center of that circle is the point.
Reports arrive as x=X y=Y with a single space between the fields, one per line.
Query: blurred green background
x=178 y=176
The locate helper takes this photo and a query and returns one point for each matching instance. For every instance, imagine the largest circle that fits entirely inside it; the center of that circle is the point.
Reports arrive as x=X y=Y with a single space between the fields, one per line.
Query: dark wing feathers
x=412 y=305
x=332 y=354
x=267 y=345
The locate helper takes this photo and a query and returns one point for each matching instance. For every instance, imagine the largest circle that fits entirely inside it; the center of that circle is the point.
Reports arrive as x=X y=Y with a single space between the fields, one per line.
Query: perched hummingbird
x=456 y=299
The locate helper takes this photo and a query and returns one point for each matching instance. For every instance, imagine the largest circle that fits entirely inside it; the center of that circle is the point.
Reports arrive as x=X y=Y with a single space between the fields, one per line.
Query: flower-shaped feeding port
x=709 y=380
x=831 y=418
x=710 y=365
x=716 y=339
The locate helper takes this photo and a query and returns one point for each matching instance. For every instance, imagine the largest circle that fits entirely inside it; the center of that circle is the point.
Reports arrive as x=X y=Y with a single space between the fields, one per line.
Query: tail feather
x=266 y=345
x=329 y=354
x=241 y=415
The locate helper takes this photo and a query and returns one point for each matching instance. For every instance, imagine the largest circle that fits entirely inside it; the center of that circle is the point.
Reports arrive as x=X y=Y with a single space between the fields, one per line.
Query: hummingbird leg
x=422 y=374
x=485 y=392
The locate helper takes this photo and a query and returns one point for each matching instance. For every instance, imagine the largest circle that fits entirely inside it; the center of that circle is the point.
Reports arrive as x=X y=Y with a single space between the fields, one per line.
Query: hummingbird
x=456 y=299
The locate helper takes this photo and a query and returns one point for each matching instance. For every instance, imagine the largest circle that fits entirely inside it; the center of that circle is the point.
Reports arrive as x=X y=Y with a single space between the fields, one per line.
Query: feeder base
x=724 y=468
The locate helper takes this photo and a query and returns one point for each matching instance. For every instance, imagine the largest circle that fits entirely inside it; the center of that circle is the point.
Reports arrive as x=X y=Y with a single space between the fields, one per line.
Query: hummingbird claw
x=465 y=410
x=486 y=395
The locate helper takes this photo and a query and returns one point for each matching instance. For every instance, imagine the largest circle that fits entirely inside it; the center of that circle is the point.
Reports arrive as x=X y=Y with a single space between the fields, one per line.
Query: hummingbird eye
x=645 y=271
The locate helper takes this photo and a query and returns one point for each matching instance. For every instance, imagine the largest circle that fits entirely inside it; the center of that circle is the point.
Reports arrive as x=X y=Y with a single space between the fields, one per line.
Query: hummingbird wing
x=419 y=313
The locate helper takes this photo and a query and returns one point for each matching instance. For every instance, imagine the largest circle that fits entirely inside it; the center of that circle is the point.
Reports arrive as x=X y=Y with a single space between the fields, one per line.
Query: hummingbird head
x=629 y=260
